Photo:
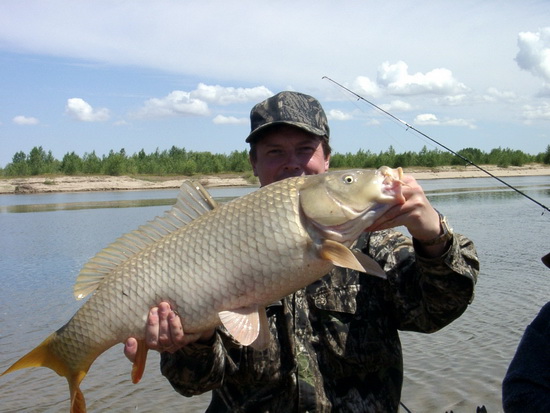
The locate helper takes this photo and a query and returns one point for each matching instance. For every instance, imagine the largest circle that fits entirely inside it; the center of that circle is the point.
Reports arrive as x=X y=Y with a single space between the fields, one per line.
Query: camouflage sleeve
x=425 y=294
x=197 y=368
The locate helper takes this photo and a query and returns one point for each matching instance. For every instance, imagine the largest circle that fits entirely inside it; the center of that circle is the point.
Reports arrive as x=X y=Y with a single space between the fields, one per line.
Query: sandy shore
x=41 y=184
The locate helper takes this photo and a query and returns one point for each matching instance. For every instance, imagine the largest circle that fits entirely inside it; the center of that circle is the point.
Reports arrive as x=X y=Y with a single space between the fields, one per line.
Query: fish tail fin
x=139 y=362
x=43 y=356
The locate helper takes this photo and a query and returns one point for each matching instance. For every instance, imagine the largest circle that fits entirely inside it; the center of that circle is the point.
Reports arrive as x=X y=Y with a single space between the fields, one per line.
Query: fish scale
x=217 y=265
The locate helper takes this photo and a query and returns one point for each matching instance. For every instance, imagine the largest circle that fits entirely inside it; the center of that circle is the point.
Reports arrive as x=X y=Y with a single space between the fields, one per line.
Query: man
x=526 y=386
x=334 y=344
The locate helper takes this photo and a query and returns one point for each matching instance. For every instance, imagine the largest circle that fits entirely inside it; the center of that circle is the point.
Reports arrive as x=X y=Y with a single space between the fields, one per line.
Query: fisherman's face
x=287 y=152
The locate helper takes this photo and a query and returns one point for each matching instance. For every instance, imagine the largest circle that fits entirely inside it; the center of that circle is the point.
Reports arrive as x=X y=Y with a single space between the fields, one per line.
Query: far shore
x=59 y=183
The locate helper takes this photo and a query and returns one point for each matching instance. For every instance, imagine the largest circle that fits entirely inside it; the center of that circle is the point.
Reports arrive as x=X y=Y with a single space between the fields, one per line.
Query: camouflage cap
x=290 y=108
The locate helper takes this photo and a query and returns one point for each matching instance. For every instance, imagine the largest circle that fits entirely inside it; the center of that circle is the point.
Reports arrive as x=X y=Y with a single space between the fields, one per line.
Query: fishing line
x=408 y=126
x=373 y=120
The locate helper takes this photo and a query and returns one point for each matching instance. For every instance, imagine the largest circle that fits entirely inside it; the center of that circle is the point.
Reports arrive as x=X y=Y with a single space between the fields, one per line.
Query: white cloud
x=229 y=95
x=426 y=119
x=396 y=80
x=396 y=105
x=196 y=102
x=539 y=112
x=229 y=120
x=176 y=103
x=336 y=114
x=431 y=119
x=534 y=53
x=460 y=122
x=25 y=120
x=495 y=95
x=544 y=91
x=452 y=100
x=364 y=85
x=80 y=110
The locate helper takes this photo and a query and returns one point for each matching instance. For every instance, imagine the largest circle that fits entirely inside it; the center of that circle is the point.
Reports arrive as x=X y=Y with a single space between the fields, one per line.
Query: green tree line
x=179 y=161
x=502 y=157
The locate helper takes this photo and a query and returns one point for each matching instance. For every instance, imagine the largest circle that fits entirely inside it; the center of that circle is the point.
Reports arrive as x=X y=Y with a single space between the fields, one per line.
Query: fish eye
x=348 y=179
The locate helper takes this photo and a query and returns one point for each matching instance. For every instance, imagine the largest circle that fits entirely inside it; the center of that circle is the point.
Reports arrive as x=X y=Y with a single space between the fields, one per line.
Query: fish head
x=340 y=205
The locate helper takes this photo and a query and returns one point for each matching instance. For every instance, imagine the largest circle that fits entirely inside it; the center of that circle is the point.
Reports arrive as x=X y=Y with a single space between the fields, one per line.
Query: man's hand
x=164 y=332
x=417 y=214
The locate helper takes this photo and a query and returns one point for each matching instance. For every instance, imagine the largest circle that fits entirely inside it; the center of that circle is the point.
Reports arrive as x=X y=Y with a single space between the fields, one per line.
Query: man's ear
x=327 y=162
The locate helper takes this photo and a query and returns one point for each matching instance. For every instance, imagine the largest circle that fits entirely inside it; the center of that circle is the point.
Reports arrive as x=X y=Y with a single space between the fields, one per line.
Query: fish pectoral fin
x=139 y=363
x=242 y=323
x=341 y=256
x=370 y=266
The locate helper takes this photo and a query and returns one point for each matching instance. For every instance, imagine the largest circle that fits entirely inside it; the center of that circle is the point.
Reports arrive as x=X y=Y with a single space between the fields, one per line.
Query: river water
x=46 y=238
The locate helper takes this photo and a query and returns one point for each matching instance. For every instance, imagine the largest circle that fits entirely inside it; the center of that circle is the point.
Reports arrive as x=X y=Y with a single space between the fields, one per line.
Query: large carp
x=217 y=264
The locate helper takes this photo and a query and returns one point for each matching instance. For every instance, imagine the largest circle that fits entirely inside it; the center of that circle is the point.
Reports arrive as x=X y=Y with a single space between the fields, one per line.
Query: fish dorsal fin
x=245 y=325
x=341 y=256
x=193 y=201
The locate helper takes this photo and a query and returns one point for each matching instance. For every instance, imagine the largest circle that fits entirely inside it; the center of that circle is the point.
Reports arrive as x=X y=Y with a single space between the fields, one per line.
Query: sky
x=85 y=76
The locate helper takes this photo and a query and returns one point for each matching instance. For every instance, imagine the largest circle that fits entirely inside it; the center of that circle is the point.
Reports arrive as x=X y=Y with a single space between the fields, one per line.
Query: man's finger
x=130 y=349
x=164 y=332
x=152 y=329
x=176 y=329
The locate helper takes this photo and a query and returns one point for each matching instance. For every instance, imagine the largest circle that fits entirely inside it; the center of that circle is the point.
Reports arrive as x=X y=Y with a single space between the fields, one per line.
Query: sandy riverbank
x=42 y=184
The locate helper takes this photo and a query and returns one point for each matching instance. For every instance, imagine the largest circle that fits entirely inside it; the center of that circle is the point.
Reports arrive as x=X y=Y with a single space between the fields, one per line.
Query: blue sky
x=98 y=75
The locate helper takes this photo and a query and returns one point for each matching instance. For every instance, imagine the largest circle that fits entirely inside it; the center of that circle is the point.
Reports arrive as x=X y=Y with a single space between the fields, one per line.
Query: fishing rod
x=408 y=126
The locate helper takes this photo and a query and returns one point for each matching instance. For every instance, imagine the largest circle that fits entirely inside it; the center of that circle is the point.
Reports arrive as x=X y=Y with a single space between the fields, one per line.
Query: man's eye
x=273 y=153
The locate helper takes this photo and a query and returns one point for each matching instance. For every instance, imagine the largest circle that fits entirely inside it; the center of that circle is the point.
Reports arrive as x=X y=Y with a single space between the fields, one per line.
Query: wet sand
x=43 y=184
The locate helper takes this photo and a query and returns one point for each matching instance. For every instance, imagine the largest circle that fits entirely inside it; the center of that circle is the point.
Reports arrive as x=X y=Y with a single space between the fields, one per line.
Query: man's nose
x=292 y=162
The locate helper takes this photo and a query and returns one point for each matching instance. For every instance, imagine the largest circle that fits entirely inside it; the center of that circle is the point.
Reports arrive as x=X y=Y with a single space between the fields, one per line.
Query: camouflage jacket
x=335 y=344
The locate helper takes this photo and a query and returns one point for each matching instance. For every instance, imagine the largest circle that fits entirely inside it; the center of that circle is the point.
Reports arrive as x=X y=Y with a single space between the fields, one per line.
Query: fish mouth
x=392 y=183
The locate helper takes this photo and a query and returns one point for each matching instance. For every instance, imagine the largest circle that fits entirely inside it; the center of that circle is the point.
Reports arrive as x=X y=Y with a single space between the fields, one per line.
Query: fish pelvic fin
x=139 y=363
x=192 y=202
x=262 y=341
x=247 y=325
x=43 y=356
x=78 y=404
x=341 y=256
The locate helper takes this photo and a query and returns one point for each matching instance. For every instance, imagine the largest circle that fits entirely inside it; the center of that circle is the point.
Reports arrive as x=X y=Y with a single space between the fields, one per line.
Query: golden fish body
x=217 y=264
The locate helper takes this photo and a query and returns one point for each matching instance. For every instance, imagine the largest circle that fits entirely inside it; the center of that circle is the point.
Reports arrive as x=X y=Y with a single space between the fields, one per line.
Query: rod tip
x=546 y=260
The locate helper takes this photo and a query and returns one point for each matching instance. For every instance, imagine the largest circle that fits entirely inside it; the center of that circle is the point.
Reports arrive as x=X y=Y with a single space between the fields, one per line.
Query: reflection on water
x=129 y=203
x=457 y=369
x=464 y=195
x=96 y=200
